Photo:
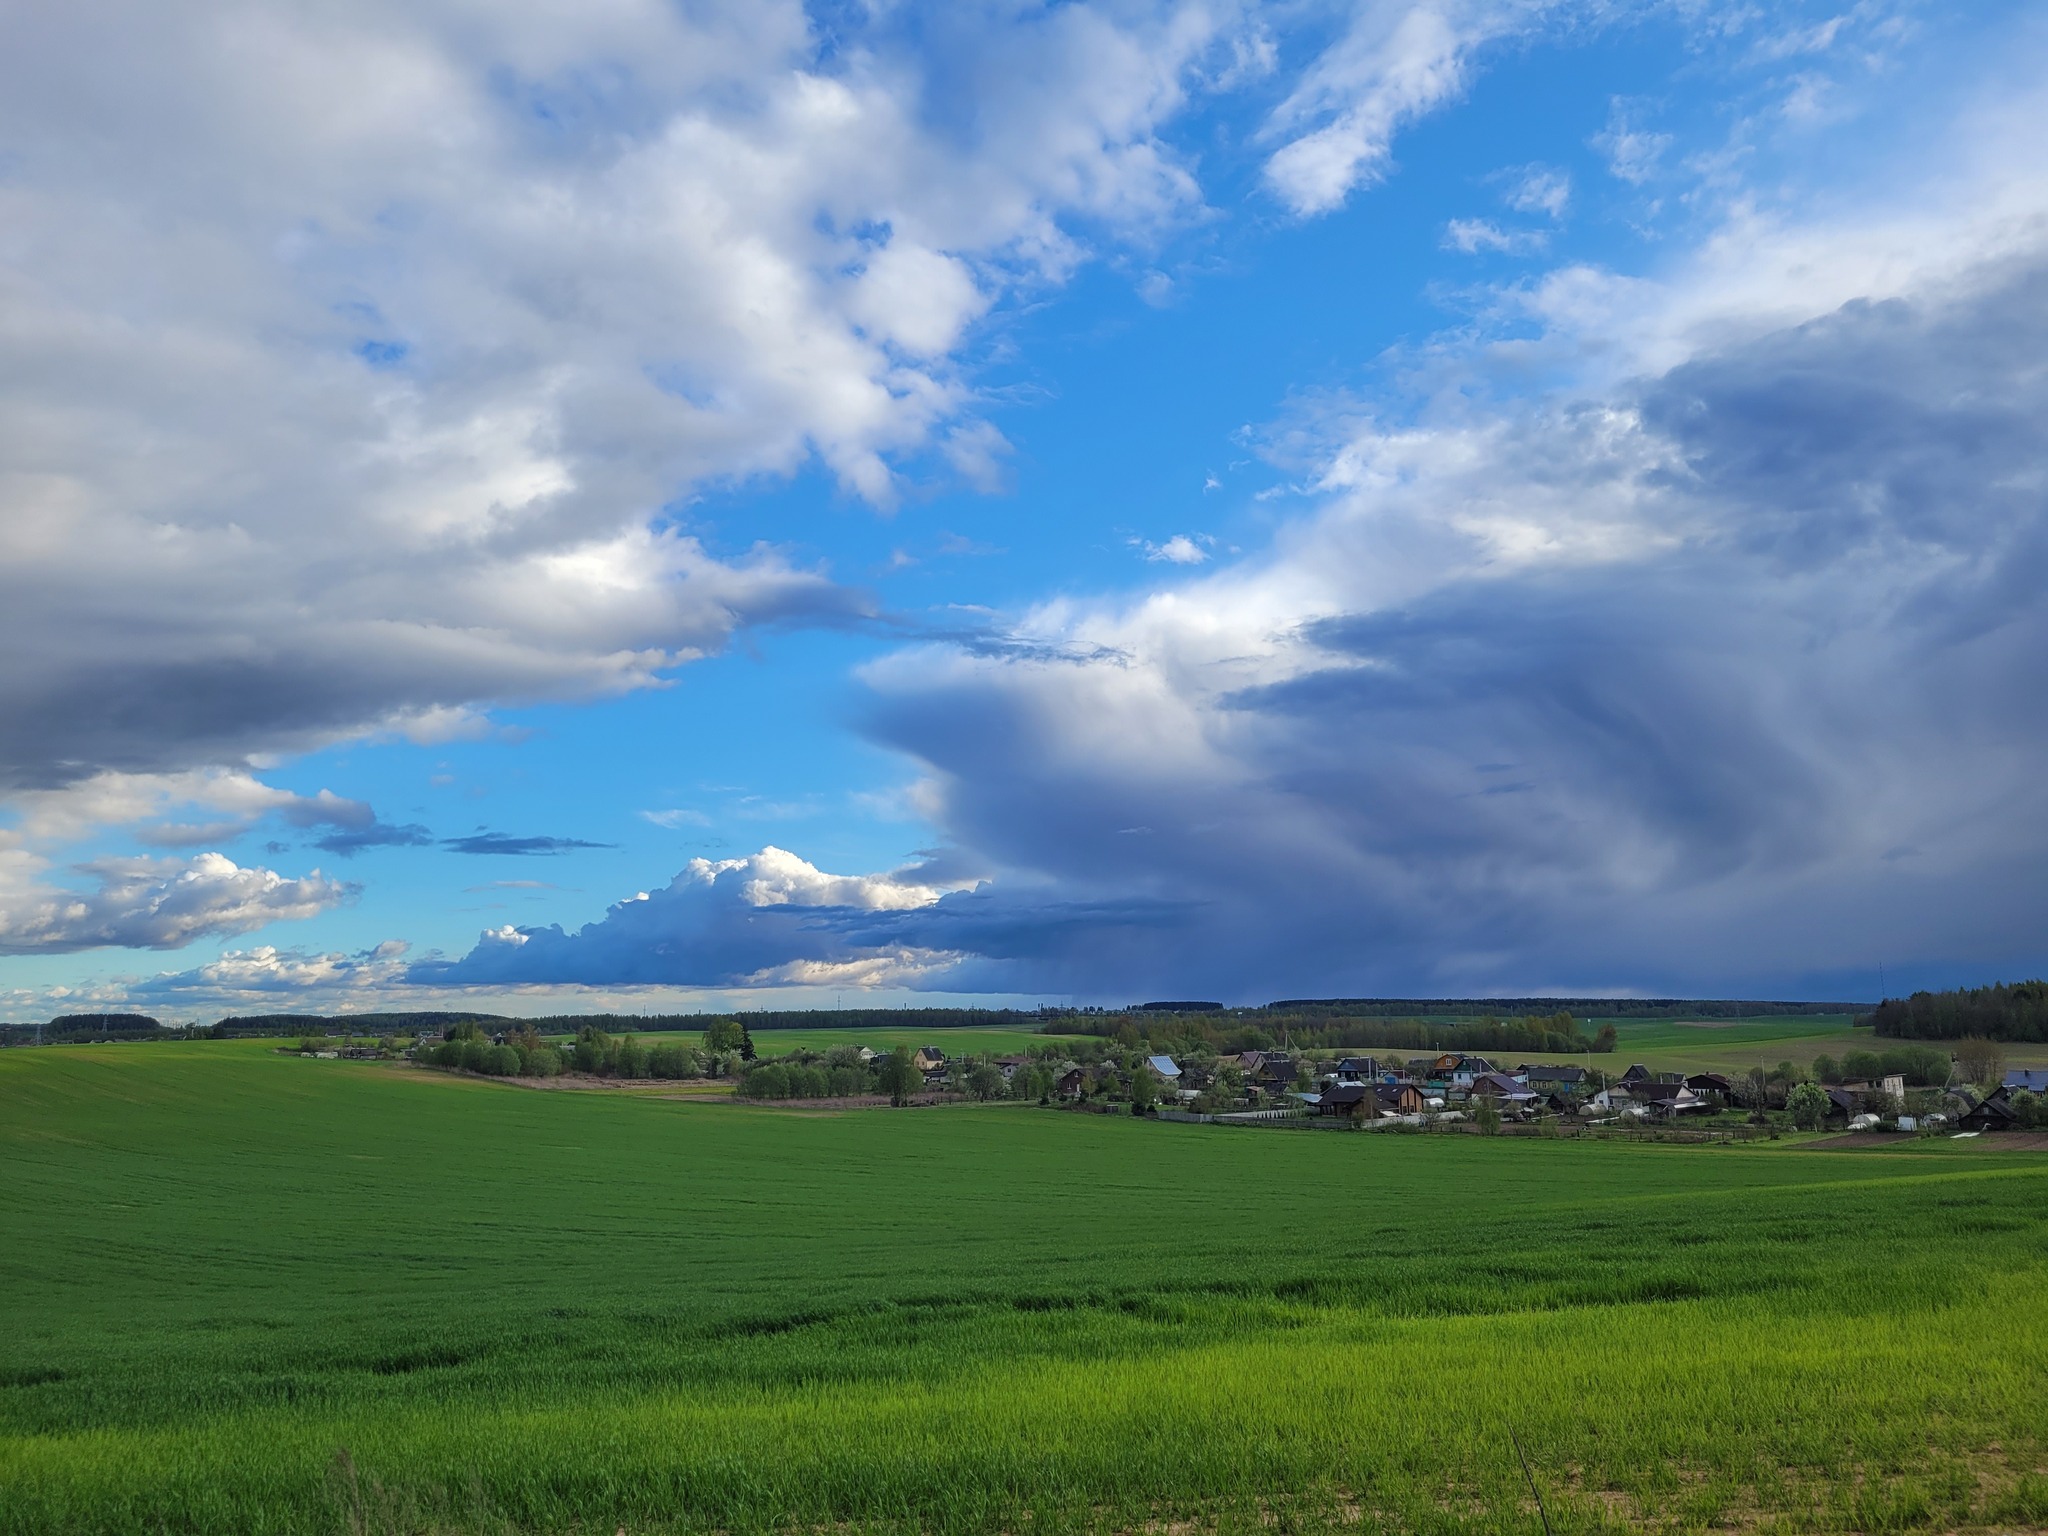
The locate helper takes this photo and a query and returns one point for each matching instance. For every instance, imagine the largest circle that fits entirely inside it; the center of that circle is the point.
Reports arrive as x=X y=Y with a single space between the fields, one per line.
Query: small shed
x=1994 y=1114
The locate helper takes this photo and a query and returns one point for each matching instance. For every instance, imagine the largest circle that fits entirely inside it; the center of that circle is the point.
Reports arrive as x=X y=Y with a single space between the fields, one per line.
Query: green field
x=250 y=1292
x=1736 y=1045
x=954 y=1042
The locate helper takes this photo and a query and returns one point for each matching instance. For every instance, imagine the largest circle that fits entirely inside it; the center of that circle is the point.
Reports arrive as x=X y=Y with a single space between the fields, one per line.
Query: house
x=1649 y=1095
x=1356 y=1101
x=1994 y=1114
x=1367 y=1101
x=1072 y=1084
x=1010 y=1066
x=1841 y=1101
x=2025 y=1080
x=1503 y=1091
x=1399 y=1099
x=1704 y=1083
x=1571 y=1080
x=928 y=1057
x=1165 y=1068
x=1275 y=1071
x=1455 y=1068
x=1357 y=1069
x=1666 y=1098
x=1636 y=1073
x=864 y=1055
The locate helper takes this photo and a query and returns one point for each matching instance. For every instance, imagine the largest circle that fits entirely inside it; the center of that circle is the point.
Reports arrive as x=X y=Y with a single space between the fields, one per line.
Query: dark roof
x=1347 y=1093
x=1713 y=1080
x=1556 y=1074
x=1358 y=1064
x=1842 y=1098
x=1655 y=1092
x=1635 y=1071
x=2031 y=1081
x=1500 y=1082
x=1995 y=1108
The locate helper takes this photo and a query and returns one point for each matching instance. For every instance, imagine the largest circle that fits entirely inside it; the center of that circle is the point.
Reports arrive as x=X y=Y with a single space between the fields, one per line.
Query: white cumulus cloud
x=150 y=903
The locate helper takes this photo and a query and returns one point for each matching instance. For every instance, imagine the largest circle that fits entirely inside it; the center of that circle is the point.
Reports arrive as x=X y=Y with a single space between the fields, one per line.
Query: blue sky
x=1038 y=502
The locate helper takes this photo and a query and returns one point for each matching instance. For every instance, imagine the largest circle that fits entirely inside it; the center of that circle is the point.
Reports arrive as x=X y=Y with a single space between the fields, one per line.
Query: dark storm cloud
x=502 y=843
x=376 y=835
x=1794 y=732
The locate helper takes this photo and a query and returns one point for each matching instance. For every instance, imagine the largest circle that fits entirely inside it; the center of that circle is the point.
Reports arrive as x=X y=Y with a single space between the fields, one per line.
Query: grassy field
x=1736 y=1045
x=249 y=1292
x=954 y=1042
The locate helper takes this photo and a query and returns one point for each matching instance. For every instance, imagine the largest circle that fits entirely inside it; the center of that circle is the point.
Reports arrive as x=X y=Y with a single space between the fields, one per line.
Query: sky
x=658 y=506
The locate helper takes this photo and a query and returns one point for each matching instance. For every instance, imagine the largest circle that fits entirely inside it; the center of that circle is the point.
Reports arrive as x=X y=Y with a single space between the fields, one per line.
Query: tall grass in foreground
x=1688 y=1414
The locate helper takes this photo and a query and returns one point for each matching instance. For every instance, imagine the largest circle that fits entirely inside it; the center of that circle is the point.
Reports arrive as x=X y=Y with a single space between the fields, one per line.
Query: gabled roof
x=1347 y=1093
x=2023 y=1079
x=1996 y=1107
x=1501 y=1083
x=1165 y=1066
x=1635 y=1071
x=1555 y=1074
x=1656 y=1091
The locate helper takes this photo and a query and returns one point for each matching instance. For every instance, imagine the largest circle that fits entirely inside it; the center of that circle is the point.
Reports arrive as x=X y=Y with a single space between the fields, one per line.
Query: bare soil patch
x=1877 y=1141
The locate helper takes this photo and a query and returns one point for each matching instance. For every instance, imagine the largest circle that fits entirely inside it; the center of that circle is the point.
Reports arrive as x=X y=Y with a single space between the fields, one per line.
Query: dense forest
x=287 y=1024
x=2018 y=1012
x=1308 y=1028
x=1418 y=1024
x=70 y=1028
x=1582 y=1007
x=281 y=1024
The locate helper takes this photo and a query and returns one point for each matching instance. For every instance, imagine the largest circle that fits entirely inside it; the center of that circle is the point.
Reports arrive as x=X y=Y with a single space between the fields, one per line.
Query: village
x=1917 y=1090
x=1261 y=1086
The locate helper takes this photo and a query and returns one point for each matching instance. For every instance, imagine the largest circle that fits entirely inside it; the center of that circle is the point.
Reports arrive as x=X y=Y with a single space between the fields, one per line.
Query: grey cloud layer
x=1766 y=711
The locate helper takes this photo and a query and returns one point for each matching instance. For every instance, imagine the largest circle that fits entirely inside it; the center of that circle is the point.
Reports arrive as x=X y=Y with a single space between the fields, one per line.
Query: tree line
x=2018 y=1012
x=594 y=1053
x=1555 y=1034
